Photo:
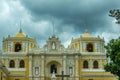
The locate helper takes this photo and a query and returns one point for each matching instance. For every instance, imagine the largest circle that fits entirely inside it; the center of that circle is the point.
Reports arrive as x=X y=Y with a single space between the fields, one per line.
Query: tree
x=113 y=52
x=116 y=14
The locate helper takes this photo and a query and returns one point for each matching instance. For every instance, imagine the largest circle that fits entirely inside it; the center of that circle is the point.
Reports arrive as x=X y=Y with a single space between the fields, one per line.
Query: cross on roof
x=62 y=75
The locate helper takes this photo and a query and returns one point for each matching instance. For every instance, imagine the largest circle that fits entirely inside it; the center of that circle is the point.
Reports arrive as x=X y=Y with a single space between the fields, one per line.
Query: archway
x=53 y=66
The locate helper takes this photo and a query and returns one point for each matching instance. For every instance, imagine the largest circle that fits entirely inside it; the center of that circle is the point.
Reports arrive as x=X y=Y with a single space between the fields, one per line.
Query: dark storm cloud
x=70 y=18
x=82 y=14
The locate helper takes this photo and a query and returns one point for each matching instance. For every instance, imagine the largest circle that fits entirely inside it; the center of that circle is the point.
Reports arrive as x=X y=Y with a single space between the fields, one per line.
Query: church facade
x=84 y=59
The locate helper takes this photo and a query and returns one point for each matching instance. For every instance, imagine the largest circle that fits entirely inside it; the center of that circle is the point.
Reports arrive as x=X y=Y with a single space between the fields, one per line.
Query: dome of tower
x=86 y=34
x=20 y=34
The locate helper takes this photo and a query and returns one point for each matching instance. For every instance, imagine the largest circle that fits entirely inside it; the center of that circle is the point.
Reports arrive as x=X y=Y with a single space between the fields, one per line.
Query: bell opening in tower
x=17 y=47
x=89 y=47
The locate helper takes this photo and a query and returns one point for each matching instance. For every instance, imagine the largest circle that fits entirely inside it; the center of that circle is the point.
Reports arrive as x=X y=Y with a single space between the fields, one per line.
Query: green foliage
x=116 y=14
x=113 y=52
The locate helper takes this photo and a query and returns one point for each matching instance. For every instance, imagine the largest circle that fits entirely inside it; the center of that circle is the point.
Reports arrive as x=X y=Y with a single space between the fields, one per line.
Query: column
x=23 y=46
x=101 y=64
x=76 y=66
x=17 y=63
x=8 y=47
x=11 y=47
x=84 y=47
x=91 y=64
x=42 y=67
x=30 y=68
x=64 y=65
x=96 y=47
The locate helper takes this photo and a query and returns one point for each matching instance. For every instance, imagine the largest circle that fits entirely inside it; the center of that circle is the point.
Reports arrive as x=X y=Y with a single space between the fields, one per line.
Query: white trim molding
x=93 y=70
x=17 y=69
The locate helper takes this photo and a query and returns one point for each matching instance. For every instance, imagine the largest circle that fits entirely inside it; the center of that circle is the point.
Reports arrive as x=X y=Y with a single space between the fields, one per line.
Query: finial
x=20 y=31
x=53 y=28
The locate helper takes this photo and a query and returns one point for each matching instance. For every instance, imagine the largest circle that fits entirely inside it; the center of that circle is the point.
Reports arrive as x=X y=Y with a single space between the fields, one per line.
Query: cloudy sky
x=70 y=18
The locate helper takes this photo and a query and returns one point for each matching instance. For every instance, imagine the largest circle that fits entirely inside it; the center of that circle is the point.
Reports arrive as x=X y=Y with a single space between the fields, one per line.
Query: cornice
x=87 y=39
x=99 y=75
x=54 y=54
x=17 y=75
x=18 y=39
x=14 y=54
x=93 y=54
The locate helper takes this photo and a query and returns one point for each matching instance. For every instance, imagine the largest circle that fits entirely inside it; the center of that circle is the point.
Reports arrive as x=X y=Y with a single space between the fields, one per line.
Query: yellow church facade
x=84 y=59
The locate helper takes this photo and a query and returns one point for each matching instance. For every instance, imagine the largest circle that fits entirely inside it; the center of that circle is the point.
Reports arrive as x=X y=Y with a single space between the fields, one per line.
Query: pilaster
x=91 y=64
x=30 y=68
x=64 y=64
x=101 y=67
x=76 y=66
x=84 y=46
x=17 y=63
x=42 y=67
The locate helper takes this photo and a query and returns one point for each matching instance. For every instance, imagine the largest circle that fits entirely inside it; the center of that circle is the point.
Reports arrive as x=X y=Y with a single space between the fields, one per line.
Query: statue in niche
x=53 y=45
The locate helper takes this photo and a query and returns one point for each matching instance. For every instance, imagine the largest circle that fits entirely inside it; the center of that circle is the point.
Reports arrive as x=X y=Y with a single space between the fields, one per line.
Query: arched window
x=85 y=64
x=22 y=64
x=89 y=47
x=17 y=47
x=53 y=68
x=12 y=64
x=95 y=64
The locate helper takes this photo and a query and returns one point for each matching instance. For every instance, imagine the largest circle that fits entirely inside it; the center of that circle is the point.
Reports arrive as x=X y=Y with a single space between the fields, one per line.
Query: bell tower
x=18 y=43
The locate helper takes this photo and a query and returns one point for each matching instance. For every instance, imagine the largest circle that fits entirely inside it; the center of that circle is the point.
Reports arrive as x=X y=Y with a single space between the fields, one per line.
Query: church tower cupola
x=88 y=43
x=86 y=34
x=20 y=31
x=19 y=43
